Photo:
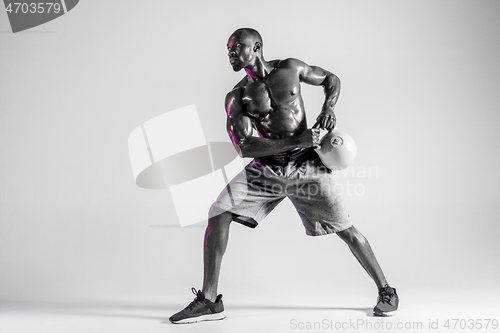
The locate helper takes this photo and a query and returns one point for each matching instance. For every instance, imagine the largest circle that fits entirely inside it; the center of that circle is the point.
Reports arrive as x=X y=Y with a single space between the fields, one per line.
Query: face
x=240 y=51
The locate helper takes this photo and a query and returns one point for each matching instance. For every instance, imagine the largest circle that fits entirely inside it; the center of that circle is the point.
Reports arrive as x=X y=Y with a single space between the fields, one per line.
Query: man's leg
x=362 y=250
x=216 y=238
x=208 y=305
x=388 y=300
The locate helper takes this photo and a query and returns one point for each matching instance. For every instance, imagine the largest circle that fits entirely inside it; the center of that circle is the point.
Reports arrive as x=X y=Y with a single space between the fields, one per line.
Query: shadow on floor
x=244 y=311
x=160 y=312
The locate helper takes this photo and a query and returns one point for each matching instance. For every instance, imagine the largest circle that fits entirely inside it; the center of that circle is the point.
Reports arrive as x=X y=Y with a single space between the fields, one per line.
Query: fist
x=310 y=138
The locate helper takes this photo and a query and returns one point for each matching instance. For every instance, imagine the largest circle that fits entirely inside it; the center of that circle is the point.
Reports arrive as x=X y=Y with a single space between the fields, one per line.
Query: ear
x=257 y=46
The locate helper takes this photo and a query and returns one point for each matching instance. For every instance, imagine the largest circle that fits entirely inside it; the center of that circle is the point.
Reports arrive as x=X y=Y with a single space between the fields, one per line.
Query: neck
x=259 y=70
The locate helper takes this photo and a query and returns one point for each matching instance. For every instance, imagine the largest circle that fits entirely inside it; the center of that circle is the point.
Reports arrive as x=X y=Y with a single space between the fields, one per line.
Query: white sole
x=207 y=317
x=386 y=314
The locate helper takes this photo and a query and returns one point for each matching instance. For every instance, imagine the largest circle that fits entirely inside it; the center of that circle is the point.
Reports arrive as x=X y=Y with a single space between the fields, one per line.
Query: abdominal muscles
x=281 y=123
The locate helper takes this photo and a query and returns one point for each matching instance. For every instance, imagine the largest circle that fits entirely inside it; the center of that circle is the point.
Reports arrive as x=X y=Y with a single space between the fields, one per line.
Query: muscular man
x=268 y=100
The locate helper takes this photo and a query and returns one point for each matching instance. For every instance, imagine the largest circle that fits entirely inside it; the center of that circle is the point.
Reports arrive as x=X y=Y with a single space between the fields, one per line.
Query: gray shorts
x=299 y=176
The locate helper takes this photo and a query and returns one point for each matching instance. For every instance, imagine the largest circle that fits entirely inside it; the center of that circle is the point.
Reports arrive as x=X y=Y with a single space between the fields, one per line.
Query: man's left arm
x=318 y=76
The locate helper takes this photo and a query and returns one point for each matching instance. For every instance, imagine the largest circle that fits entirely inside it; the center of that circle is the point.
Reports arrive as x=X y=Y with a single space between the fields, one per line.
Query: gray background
x=420 y=83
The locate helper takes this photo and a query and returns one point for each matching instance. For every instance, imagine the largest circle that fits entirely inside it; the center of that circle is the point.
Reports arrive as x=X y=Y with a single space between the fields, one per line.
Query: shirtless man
x=268 y=100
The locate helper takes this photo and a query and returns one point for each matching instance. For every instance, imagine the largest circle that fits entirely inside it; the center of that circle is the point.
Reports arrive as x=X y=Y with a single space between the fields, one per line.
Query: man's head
x=244 y=47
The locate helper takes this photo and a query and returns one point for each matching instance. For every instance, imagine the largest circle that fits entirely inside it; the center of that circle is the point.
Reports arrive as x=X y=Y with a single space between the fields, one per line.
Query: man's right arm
x=240 y=130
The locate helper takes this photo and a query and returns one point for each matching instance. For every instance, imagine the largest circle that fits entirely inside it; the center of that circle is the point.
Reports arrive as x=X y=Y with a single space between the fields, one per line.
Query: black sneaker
x=388 y=301
x=199 y=310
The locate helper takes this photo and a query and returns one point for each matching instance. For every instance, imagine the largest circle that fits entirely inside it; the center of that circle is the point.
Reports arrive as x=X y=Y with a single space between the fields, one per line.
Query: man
x=268 y=100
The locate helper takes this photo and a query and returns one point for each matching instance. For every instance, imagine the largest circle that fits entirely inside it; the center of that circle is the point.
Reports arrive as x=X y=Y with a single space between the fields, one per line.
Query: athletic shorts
x=300 y=176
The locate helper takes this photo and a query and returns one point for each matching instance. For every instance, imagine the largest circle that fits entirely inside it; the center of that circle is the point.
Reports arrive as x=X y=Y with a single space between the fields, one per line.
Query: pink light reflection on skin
x=204 y=242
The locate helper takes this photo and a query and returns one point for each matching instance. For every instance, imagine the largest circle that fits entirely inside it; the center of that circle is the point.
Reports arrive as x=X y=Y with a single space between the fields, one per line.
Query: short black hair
x=252 y=32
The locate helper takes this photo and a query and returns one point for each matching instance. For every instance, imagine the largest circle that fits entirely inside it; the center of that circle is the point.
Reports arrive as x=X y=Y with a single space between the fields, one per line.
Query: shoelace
x=385 y=297
x=196 y=300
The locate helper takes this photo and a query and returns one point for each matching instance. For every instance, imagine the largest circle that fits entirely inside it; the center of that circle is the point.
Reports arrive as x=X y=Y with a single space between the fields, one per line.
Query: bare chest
x=278 y=90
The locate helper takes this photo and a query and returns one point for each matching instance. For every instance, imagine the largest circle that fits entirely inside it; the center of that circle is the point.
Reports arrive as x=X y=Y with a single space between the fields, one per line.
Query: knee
x=218 y=219
x=352 y=236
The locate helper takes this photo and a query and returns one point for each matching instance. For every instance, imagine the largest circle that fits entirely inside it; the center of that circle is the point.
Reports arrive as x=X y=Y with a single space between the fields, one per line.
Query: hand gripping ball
x=337 y=150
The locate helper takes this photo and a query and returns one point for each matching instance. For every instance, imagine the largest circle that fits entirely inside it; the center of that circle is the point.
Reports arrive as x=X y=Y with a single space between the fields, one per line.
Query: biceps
x=314 y=75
